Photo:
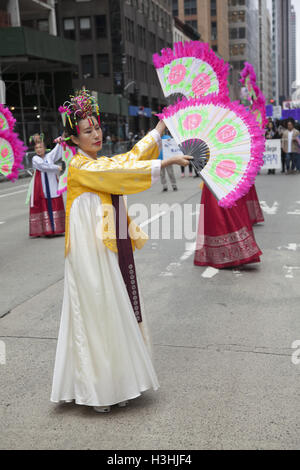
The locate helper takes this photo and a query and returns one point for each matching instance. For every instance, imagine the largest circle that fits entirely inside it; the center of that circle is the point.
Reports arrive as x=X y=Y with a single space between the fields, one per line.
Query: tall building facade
x=209 y=18
x=36 y=65
x=243 y=38
x=293 y=56
x=265 y=55
x=116 y=40
x=281 y=47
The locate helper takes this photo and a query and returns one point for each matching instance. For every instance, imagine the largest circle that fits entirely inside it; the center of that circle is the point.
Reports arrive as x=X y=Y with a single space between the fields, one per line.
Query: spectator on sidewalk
x=271 y=133
x=290 y=146
x=170 y=171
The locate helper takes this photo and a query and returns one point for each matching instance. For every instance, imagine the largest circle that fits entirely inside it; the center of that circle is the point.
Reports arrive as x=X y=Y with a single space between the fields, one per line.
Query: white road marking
x=189 y=251
x=290 y=246
x=15 y=187
x=290 y=271
x=210 y=272
x=3 y=222
x=237 y=273
x=15 y=192
x=149 y=221
x=296 y=212
x=269 y=210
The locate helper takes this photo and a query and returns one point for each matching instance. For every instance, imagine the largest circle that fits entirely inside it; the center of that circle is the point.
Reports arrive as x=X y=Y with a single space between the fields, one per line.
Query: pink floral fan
x=191 y=70
x=225 y=140
x=7 y=121
x=256 y=97
x=12 y=151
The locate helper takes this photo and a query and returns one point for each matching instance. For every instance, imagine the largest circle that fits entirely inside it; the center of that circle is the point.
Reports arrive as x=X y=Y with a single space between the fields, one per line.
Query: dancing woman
x=103 y=355
x=47 y=212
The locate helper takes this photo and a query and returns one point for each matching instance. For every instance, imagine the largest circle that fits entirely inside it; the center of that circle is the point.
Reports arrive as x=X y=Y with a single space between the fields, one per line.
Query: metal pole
x=22 y=108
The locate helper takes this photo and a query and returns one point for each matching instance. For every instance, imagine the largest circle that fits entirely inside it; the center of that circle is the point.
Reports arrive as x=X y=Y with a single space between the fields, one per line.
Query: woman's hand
x=182 y=160
x=161 y=128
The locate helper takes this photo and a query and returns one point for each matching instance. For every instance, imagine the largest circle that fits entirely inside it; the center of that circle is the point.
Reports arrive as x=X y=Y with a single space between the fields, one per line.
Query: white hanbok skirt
x=102 y=357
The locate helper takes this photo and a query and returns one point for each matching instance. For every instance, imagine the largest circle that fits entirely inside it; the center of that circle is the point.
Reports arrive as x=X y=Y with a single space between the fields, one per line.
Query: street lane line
x=15 y=192
x=149 y=221
x=210 y=272
x=16 y=187
x=269 y=210
x=290 y=246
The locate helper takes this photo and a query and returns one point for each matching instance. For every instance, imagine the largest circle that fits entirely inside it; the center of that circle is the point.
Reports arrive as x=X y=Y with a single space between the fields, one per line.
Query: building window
x=175 y=7
x=103 y=65
x=143 y=71
x=129 y=30
x=213 y=7
x=190 y=7
x=87 y=66
x=141 y=37
x=85 y=28
x=69 y=28
x=100 y=26
x=237 y=33
x=214 y=31
x=193 y=24
x=43 y=25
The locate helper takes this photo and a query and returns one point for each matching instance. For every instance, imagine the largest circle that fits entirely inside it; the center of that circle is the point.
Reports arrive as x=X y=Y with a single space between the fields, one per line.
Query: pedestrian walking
x=169 y=170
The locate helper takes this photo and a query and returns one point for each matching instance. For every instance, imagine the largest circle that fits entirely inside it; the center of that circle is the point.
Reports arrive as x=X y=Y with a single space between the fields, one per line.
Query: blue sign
x=140 y=111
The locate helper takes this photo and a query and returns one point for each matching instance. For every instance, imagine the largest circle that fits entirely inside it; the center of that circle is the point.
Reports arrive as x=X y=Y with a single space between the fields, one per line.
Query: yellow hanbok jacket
x=127 y=173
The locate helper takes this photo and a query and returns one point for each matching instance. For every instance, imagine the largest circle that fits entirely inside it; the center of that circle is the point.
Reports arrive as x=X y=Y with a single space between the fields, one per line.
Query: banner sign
x=272 y=155
x=170 y=148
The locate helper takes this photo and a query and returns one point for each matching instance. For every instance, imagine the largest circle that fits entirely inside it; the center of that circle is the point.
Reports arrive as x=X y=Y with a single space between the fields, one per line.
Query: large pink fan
x=192 y=70
x=258 y=101
x=225 y=140
x=12 y=151
x=7 y=121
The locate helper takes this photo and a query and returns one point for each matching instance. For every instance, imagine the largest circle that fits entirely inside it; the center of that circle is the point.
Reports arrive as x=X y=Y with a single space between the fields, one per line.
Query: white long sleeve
x=39 y=164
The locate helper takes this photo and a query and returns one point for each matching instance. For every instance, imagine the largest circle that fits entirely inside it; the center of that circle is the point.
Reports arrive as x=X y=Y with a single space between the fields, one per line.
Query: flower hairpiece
x=81 y=106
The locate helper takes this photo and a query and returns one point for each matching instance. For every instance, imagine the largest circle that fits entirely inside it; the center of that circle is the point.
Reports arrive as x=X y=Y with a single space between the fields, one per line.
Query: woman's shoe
x=122 y=404
x=102 y=409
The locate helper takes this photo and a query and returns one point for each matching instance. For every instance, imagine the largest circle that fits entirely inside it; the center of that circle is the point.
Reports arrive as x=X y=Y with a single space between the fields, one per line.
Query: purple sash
x=125 y=253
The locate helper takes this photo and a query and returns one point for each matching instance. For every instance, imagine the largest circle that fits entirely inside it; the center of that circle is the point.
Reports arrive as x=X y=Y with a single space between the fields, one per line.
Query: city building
x=116 y=40
x=243 y=18
x=209 y=18
x=282 y=43
x=293 y=56
x=265 y=54
x=36 y=66
x=184 y=32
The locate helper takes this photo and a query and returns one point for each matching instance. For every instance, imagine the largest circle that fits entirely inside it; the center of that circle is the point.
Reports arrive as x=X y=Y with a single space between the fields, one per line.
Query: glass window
x=85 y=28
x=190 y=7
x=213 y=7
x=69 y=28
x=100 y=26
x=175 y=7
x=214 y=31
x=43 y=25
x=103 y=65
x=87 y=66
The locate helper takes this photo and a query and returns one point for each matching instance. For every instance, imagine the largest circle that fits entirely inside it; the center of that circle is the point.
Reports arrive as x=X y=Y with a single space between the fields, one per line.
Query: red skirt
x=253 y=206
x=225 y=236
x=39 y=218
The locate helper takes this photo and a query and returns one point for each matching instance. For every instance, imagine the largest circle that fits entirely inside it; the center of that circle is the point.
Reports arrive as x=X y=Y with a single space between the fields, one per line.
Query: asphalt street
x=222 y=340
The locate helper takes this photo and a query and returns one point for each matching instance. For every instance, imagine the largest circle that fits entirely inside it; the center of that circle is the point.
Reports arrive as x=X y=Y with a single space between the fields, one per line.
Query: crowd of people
x=288 y=132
